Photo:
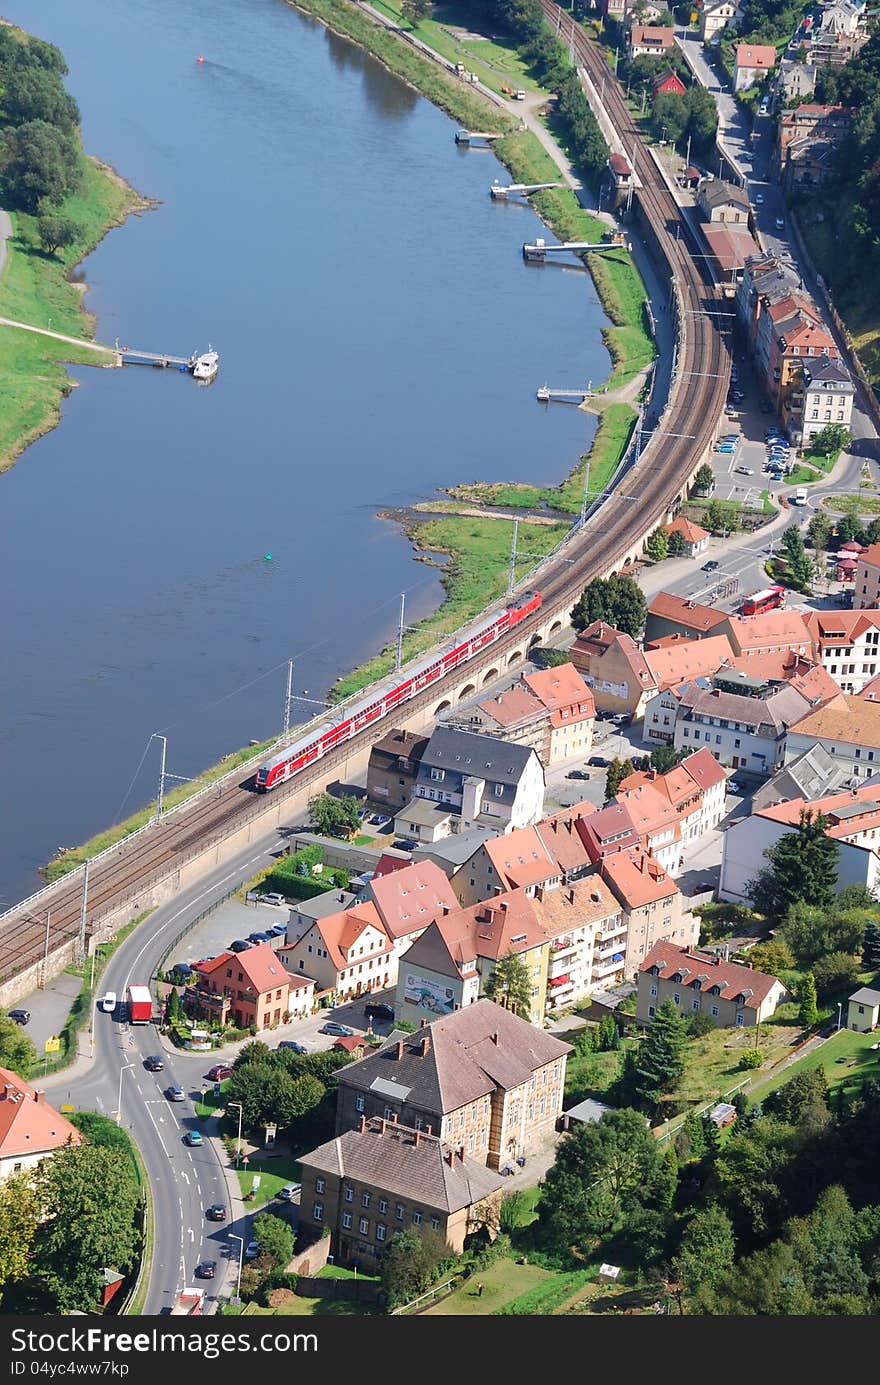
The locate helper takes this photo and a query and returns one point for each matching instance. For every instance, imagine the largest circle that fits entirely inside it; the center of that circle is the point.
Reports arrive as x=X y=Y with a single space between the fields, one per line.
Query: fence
x=438 y=1291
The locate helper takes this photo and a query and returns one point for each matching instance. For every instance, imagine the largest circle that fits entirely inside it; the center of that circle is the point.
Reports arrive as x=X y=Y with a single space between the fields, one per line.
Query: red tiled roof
x=259 y=964
x=690 y=532
x=28 y=1124
x=408 y=899
x=655 y=35
x=339 y=932
x=871 y=555
x=637 y=879
x=735 y=980
x=691 y=613
x=676 y=662
x=762 y=55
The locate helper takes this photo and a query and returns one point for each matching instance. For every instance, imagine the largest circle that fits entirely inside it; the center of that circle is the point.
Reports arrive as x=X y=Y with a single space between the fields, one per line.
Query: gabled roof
x=562 y=839
x=505 y=923
x=637 y=879
x=850 y=812
x=587 y=902
x=653 y=35
x=830 y=628
x=408 y=744
x=611 y=830
x=408 y=899
x=513 y=707
x=28 y=1124
x=760 y=55
x=520 y=858
x=674 y=662
x=597 y=639
x=467 y=752
x=871 y=555
x=780 y=629
x=340 y=932
x=848 y=719
x=735 y=980
x=718 y=193
x=690 y=532
x=666 y=606
x=259 y=964
x=650 y=810
x=561 y=688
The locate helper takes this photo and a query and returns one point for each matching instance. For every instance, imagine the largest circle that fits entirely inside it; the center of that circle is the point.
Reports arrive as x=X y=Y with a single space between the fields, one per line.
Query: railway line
x=657 y=477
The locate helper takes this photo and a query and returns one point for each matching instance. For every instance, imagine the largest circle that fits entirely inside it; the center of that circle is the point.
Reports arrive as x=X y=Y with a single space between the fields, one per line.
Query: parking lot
x=740 y=475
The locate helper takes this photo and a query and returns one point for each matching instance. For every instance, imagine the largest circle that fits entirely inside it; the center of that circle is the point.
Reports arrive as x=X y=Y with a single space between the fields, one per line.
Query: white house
x=486 y=782
x=29 y=1127
x=848 y=728
x=847 y=644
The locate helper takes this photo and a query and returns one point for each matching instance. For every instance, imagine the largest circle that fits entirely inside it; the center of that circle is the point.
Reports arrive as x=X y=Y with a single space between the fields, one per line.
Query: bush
x=276 y=1279
x=750 y=1058
x=834 y=972
x=700 y=1024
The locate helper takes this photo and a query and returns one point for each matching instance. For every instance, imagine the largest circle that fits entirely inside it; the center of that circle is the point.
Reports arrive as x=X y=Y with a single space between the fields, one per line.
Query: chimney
x=382 y=1125
x=425 y=1046
x=8 y=1091
x=39 y=1096
x=504 y=904
x=446 y=910
x=363 y=1124
x=461 y=1153
x=394 y=1118
x=570 y=896
x=415 y=1139
x=495 y=1038
x=539 y=894
x=428 y=1130
x=399 y=1054
x=450 y=1157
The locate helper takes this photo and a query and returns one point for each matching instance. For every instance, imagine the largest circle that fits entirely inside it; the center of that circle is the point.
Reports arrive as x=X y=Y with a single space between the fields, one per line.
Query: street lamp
x=240 y=1240
x=238 y=1143
x=839 y=1011
x=119 y=1097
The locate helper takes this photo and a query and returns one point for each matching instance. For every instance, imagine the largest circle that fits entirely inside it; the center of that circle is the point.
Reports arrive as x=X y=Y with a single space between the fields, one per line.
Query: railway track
x=664 y=468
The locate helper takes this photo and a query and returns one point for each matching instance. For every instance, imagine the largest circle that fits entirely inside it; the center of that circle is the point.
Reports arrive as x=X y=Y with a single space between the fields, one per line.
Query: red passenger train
x=380 y=701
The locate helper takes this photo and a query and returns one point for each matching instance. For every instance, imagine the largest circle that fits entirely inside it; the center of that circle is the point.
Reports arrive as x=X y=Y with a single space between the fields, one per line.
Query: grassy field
x=852 y=504
x=609 y=444
x=495 y=66
x=476 y=574
x=502 y=1283
x=35 y=289
x=274 y=1173
x=846 y=1058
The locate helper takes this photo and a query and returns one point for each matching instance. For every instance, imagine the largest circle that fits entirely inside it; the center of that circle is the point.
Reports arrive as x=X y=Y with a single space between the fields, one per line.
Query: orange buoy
x=200 y=59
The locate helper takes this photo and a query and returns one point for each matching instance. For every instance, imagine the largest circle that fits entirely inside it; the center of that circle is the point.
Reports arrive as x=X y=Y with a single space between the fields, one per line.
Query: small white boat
x=205 y=367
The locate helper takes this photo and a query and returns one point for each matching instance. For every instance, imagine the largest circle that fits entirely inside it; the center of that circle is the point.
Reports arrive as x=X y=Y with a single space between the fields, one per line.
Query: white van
x=799 y=497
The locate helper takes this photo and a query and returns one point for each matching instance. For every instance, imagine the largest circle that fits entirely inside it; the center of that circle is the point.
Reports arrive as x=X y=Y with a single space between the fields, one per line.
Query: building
x=811 y=121
x=617 y=181
x=587 y=929
x=613 y=667
x=823 y=395
x=752 y=63
x=306 y=911
x=584 y=1113
x=696 y=790
x=809 y=776
x=247 y=989
x=29 y=1127
x=449 y=967
x=649 y=40
x=742 y=721
x=652 y=904
x=848 y=728
x=365 y=1185
x=486 y=782
x=696 y=539
x=391 y=773
x=853 y=822
x=724 y=203
x=847 y=644
x=481 y=1079
x=866 y=589
x=733 y=996
x=863 y=1010
x=796 y=80
x=346 y=954
x=677 y=615
x=715 y=16
x=668 y=84
x=552 y=711
x=408 y=900
x=796 y=337
x=546 y=856
x=423 y=821
x=775 y=632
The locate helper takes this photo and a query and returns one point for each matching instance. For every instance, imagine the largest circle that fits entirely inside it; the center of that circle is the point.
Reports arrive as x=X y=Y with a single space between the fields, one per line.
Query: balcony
x=602 y=970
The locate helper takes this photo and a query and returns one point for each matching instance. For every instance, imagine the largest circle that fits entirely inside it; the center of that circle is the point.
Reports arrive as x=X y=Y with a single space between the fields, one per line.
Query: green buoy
x=268 y=557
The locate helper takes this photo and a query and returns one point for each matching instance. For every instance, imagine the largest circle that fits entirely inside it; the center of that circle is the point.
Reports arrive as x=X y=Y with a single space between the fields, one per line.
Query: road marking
x=185 y=1176
x=148 y=1104
x=192 y=1234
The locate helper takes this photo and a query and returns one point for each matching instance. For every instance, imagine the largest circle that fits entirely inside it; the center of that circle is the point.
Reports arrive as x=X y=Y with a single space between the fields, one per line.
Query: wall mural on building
x=429 y=995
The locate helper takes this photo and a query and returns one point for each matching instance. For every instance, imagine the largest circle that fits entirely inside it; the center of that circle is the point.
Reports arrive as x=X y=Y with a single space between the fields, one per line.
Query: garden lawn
x=858 y=1063
x=850 y=504
x=274 y=1173
x=309 y=1307
x=495 y=66
x=503 y=1282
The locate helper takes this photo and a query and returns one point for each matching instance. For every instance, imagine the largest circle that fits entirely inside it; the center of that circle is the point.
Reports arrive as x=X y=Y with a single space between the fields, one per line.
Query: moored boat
x=205 y=367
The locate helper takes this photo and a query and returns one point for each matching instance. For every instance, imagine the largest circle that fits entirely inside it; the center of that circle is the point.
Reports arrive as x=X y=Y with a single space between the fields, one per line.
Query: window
x=380 y=1232
x=438 y=774
x=435 y=1222
x=364 y=1226
x=650 y=1009
x=740 y=1020
x=318 y=1212
x=365 y=1199
x=398 y=1211
x=389 y=1114
x=320 y=1185
x=359 y=1101
x=715 y=1011
x=653 y=990
x=499 y=790
x=383 y=1205
x=676 y=998
x=417 y=1218
x=695 y=1004
x=346 y=1220
x=349 y=1195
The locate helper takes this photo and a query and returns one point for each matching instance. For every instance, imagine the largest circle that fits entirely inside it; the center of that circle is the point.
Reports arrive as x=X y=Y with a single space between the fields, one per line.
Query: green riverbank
x=36 y=288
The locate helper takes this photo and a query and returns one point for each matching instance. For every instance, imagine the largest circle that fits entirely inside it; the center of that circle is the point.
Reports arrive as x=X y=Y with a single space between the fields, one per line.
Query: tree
x=410 y=1263
x=617 y=600
x=834 y=437
x=718 y=518
x=17 y=1051
x=702 y=117
x=812 y=931
x=677 y=545
x=700 y=1024
x=871 y=947
x=850 y=530
x=510 y=985
x=802 y=569
x=608 y=1034
x=706 y=1250
x=819 y=531
x=603 y=1172
x=39 y=163
x=836 y=971
x=415 y=10
x=704 y=480
x=328 y=813
x=665 y=757
x=792 y=542
x=275 y=1236
x=89 y=1197
x=660 y=1061
x=657 y=546
x=803 y=866
x=808 y=1012
x=57 y=232
x=19 y=1218
x=771 y=957
x=175 y=1009
x=515 y=1212
x=255 y=1051
x=669 y=117
x=618 y=770
x=36 y=93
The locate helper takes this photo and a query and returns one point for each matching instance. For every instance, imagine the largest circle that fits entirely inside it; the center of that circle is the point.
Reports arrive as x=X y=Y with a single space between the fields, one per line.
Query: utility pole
x=687 y=157
x=81 y=937
x=584 y=502
x=400 y=630
x=45 y=965
x=288 y=698
x=511 y=576
x=161 y=794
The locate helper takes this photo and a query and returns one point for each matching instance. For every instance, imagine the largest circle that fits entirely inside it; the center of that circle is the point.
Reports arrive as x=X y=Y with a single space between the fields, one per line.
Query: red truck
x=189 y=1302
x=140 y=1005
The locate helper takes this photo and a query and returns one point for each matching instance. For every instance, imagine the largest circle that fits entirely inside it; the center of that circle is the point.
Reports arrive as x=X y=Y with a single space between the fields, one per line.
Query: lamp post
x=240 y=1240
x=839 y=1013
x=123 y=1069
x=238 y=1142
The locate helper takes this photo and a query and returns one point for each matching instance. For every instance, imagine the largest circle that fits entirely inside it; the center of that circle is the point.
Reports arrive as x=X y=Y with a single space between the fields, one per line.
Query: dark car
x=258 y=937
x=216 y=1212
x=599 y=761
x=578 y=774
x=20 y=1016
x=711 y=566
x=206 y=1269
x=405 y=844
x=293 y=1046
x=175 y=1092
x=181 y=971
x=218 y=1072
x=378 y=1010
x=154 y=1063
x=240 y=945
x=332 y=1027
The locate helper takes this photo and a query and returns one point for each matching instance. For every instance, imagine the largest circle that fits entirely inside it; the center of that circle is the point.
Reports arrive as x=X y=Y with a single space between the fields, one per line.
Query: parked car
x=737 y=396
x=240 y=945
x=759 y=196
x=599 y=761
x=206 y=1269
x=20 y=1016
x=258 y=937
x=380 y=819
x=175 y=1092
x=273 y=897
x=277 y=930
x=219 y=1072
x=180 y=973
x=216 y=1212
x=154 y=1063
x=193 y=1138
x=712 y=565
x=108 y=1002
x=744 y=470
x=732 y=786
x=405 y=844
x=332 y=1027
x=378 y=1010
x=251 y=1250
x=578 y=774
x=289 y=1191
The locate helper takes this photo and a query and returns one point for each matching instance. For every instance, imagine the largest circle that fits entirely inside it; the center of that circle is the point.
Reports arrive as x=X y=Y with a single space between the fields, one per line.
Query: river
x=379 y=337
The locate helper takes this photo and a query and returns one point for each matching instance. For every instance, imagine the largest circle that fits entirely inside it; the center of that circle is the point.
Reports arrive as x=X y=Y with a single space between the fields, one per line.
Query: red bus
x=759 y=602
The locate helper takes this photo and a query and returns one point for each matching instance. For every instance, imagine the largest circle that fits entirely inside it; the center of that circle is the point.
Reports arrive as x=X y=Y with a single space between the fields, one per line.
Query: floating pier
x=160 y=360
x=545 y=395
x=500 y=194
x=468 y=136
x=540 y=249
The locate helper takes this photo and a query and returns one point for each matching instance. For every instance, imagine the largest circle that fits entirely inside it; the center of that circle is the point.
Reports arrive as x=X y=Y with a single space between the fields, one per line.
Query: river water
x=379 y=337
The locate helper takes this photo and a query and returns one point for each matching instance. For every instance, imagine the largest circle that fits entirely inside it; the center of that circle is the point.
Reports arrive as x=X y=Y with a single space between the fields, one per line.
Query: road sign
x=66 y=1109
x=52 y=1045
x=256 y=1182
x=245 y=1159
x=216 y=1088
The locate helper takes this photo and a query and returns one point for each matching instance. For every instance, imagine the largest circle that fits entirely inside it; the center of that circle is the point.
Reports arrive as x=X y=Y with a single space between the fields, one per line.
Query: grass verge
x=852 y=504
x=504 y=1283
x=274 y=1173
